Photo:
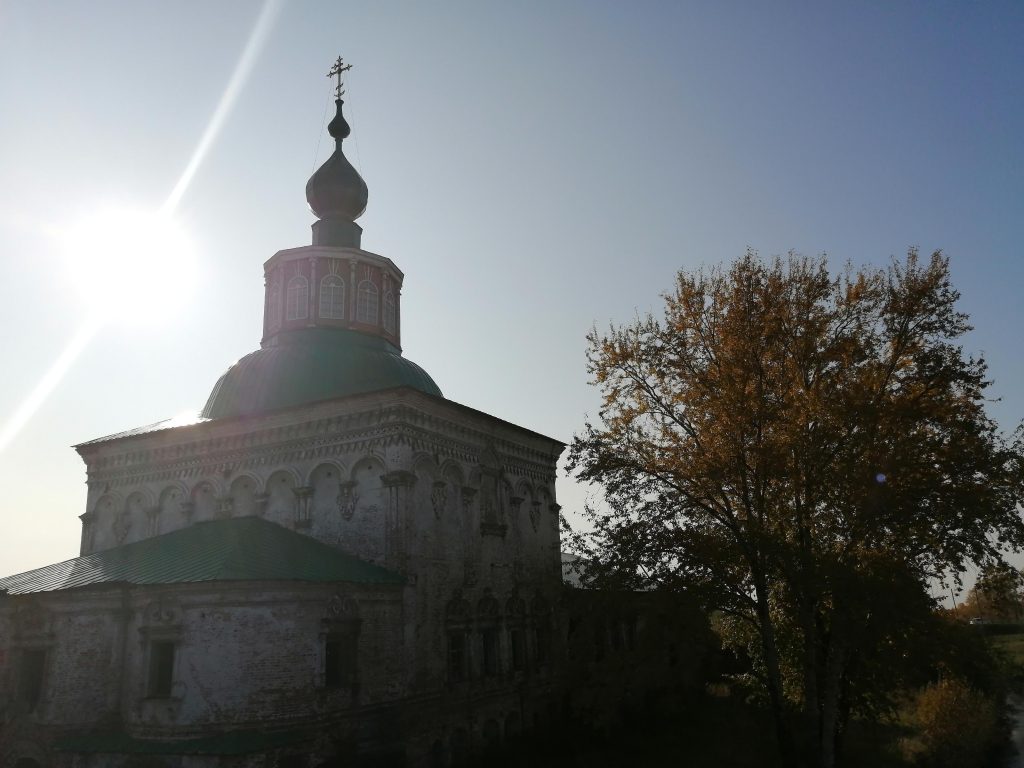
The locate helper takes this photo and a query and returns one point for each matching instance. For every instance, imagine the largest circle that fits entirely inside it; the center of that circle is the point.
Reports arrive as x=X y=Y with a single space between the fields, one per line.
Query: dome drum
x=342 y=288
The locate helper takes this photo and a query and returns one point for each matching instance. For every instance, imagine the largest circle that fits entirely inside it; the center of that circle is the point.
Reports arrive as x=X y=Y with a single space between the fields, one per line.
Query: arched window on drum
x=332 y=298
x=297 y=299
x=367 y=300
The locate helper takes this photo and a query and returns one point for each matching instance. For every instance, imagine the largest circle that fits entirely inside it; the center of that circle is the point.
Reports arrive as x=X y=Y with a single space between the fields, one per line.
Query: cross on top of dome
x=338 y=70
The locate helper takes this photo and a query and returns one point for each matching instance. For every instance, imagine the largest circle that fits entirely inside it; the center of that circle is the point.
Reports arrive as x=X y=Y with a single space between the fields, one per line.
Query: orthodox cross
x=339 y=69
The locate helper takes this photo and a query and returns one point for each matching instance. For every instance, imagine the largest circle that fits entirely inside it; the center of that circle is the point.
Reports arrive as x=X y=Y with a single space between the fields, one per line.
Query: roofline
x=154 y=427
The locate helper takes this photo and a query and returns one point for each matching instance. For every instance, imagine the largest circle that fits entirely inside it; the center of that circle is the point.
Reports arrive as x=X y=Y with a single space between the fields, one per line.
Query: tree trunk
x=830 y=695
x=783 y=731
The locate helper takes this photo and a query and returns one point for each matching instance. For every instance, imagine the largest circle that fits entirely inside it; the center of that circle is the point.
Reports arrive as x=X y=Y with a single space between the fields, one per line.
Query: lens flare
x=131 y=265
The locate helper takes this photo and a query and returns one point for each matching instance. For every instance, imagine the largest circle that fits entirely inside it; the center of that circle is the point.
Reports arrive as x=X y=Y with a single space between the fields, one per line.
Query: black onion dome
x=336 y=190
x=312 y=365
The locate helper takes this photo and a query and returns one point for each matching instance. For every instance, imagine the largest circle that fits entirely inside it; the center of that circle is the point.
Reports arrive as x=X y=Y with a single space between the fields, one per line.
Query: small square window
x=31 y=671
x=517 y=641
x=340 y=660
x=456 y=656
x=161 y=669
x=490 y=642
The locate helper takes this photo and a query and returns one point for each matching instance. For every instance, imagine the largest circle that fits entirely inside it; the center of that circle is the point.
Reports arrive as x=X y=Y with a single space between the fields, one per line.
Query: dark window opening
x=340 y=661
x=30 y=676
x=542 y=645
x=631 y=634
x=456 y=656
x=161 y=668
x=490 y=637
x=516 y=640
x=571 y=638
x=616 y=637
x=600 y=642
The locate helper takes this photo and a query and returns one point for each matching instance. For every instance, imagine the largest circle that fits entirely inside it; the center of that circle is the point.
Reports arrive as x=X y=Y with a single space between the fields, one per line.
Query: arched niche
x=242 y=495
x=281 y=499
x=204 y=501
x=137 y=509
x=172 y=505
x=368 y=486
x=326 y=483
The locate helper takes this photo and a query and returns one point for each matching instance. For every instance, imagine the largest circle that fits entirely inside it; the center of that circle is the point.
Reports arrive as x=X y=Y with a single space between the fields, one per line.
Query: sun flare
x=131 y=265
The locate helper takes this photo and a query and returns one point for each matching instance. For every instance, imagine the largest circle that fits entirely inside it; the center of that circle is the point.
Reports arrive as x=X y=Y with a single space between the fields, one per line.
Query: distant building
x=332 y=563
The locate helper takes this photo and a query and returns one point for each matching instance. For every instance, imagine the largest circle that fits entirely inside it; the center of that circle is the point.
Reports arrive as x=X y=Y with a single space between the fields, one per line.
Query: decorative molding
x=535 y=514
x=122 y=525
x=316 y=437
x=493 y=529
x=347 y=499
x=439 y=497
x=399 y=477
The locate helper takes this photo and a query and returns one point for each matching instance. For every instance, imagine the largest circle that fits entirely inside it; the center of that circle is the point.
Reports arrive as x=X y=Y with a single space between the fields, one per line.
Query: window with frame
x=340 y=659
x=31 y=676
x=297 y=299
x=367 y=298
x=517 y=646
x=390 y=313
x=542 y=642
x=489 y=640
x=457 y=656
x=161 y=669
x=332 y=298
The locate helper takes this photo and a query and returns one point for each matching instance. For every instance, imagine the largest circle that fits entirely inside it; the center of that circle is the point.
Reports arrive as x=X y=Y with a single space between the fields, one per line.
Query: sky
x=534 y=168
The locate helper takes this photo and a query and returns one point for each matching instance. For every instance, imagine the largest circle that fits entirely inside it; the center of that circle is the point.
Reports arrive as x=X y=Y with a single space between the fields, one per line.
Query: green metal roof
x=235 y=549
x=310 y=365
x=226 y=743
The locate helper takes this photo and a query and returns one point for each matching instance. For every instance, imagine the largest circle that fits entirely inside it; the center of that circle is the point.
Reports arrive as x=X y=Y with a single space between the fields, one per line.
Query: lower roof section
x=234 y=549
x=226 y=743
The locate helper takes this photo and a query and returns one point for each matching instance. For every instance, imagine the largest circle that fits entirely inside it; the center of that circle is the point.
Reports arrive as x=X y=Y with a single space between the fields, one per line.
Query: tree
x=805 y=451
x=997 y=594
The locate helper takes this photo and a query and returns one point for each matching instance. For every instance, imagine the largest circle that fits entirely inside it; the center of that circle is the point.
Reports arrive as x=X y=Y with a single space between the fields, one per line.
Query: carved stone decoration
x=188 y=508
x=439 y=498
x=343 y=607
x=515 y=502
x=304 y=495
x=468 y=494
x=347 y=499
x=225 y=506
x=535 y=514
x=260 y=500
x=122 y=524
x=399 y=477
x=162 y=612
x=471 y=573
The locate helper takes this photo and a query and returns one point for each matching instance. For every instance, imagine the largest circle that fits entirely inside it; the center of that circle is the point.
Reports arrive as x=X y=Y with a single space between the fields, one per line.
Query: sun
x=131 y=265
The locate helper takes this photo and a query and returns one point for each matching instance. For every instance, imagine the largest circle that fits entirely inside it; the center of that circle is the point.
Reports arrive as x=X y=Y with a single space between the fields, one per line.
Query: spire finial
x=339 y=69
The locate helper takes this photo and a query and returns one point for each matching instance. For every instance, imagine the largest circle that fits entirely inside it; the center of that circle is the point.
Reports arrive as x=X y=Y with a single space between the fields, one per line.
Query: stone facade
x=459 y=503
x=190 y=631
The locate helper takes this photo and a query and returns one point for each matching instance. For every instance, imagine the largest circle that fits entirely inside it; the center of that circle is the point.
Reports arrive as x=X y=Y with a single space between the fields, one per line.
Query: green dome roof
x=309 y=365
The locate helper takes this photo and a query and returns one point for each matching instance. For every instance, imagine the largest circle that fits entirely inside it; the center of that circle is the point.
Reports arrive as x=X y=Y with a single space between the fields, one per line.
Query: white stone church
x=334 y=564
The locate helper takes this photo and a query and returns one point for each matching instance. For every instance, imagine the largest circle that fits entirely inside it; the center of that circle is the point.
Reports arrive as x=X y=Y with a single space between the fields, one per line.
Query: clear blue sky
x=534 y=168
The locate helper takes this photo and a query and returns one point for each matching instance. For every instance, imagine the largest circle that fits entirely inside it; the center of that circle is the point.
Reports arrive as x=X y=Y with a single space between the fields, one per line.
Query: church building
x=333 y=564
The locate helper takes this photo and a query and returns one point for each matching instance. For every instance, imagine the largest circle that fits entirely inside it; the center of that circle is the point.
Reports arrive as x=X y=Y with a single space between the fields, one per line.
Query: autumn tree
x=806 y=451
x=998 y=594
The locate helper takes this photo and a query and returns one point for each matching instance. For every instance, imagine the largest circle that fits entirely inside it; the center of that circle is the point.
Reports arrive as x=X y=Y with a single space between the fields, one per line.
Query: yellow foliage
x=956 y=726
